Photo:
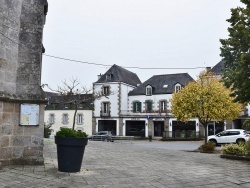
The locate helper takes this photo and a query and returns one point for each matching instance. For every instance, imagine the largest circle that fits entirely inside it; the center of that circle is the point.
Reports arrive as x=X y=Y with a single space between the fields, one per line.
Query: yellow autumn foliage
x=206 y=99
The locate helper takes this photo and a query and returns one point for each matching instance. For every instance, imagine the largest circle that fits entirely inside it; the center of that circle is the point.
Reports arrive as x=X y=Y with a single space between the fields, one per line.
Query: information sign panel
x=29 y=114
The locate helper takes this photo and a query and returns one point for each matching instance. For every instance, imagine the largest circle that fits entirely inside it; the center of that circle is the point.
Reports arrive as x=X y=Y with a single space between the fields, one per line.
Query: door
x=158 y=128
x=211 y=129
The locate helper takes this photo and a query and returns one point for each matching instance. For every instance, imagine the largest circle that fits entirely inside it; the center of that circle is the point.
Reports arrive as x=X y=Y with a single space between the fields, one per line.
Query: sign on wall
x=29 y=114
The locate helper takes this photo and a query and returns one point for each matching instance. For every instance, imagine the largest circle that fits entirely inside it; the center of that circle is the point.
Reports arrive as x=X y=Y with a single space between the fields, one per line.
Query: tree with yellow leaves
x=206 y=99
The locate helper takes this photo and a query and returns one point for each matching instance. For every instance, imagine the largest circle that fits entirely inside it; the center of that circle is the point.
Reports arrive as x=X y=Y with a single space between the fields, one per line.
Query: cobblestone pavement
x=131 y=164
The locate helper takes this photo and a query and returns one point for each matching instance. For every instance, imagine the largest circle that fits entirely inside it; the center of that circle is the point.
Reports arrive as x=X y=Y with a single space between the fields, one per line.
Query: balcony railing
x=104 y=114
x=145 y=112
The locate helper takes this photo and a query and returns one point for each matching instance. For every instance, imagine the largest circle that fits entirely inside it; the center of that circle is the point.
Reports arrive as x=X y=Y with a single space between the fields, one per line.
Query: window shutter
x=139 y=106
x=149 y=106
x=134 y=107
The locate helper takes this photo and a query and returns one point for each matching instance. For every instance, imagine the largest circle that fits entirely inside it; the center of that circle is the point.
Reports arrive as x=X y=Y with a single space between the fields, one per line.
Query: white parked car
x=229 y=136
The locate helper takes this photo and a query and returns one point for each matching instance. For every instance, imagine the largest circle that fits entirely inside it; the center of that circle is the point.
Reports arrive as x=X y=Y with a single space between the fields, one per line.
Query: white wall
x=87 y=119
x=112 y=98
x=125 y=89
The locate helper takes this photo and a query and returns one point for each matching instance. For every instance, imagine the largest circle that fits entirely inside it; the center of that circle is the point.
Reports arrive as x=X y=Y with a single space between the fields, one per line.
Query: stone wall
x=21 y=30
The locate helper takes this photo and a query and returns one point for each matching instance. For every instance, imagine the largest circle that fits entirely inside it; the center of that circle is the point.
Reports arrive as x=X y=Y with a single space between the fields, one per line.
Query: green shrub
x=207 y=148
x=68 y=132
x=47 y=130
x=247 y=145
x=233 y=149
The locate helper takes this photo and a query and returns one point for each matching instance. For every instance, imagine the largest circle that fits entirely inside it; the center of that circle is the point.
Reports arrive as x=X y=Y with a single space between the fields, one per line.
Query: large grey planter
x=70 y=153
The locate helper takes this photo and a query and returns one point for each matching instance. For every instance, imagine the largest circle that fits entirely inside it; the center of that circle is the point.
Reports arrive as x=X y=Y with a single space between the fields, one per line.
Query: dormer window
x=149 y=90
x=108 y=76
x=106 y=90
x=177 y=88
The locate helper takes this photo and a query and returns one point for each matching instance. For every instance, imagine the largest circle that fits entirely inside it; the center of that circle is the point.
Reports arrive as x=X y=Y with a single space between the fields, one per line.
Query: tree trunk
x=205 y=127
x=74 y=119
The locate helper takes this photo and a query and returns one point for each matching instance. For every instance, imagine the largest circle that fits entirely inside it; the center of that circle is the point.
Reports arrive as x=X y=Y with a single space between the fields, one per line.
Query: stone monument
x=21 y=96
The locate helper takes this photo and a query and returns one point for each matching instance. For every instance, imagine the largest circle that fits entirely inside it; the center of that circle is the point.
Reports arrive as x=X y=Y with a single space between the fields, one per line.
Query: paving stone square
x=133 y=164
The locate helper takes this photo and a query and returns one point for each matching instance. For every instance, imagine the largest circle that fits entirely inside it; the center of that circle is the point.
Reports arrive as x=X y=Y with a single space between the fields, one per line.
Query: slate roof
x=158 y=81
x=57 y=102
x=50 y=94
x=218 y=68
x=119 y=74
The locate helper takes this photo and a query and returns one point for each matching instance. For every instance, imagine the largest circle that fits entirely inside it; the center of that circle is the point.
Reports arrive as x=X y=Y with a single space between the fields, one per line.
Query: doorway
x=158 y=128
x=215 y=128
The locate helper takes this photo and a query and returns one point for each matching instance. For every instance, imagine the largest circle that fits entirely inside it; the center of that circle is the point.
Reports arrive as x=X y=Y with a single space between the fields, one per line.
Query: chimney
x=99 y=76
x=208 y=69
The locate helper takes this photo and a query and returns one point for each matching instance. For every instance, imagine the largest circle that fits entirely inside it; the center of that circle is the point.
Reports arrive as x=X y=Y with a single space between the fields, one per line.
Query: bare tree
x=76 y=95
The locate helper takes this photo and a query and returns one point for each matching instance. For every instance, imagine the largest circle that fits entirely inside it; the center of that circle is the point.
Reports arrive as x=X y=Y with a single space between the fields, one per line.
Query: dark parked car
x=107 y=136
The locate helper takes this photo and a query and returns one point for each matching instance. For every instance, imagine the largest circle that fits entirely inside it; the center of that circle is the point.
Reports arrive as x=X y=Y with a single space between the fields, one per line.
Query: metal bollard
x=150 y=138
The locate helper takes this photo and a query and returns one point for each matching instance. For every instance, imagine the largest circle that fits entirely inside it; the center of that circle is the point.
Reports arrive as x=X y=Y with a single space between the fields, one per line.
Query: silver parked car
x=229 y=136
x=107 y=136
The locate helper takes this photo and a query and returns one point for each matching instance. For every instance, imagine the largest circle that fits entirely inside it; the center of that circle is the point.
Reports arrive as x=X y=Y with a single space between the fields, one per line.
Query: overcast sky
x=132 y=33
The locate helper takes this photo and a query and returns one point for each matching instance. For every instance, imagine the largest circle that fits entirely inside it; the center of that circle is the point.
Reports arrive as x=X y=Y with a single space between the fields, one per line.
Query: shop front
x=135 y=128
x=184 y=129
x=107 y=125
x=215 y=127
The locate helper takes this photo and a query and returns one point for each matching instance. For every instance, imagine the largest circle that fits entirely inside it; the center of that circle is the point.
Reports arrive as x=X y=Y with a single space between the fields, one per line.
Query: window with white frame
x=79 y=119
x=148 y=105
x=105 y=107
x=163 y=105
x=177 y=88
x=149 y=90
x=65 y=118
x=105 y=90
x=51 y=118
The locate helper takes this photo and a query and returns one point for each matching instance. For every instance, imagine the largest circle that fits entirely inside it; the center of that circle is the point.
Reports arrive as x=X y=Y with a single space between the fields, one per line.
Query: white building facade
x=64 y=118
x=59 y=112
x=114 y=85
x=132 y=108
